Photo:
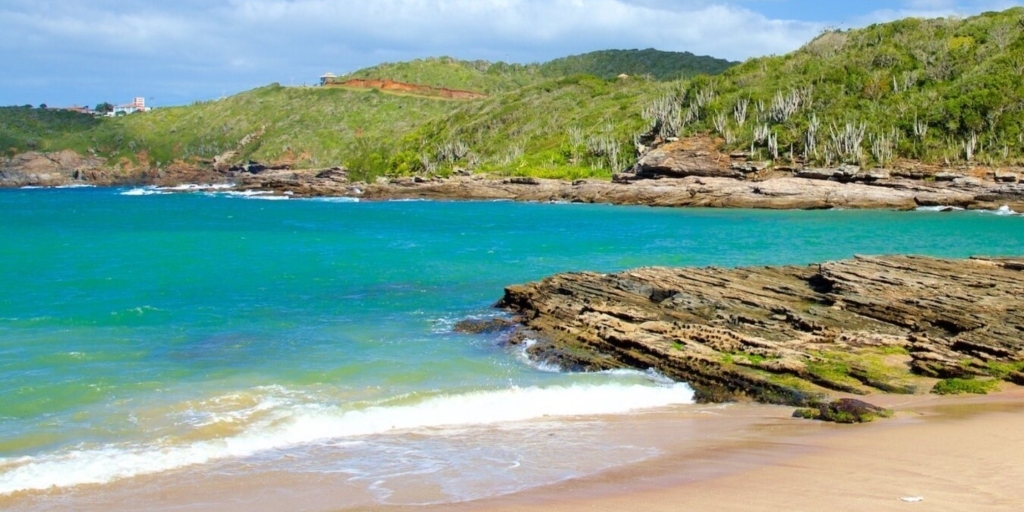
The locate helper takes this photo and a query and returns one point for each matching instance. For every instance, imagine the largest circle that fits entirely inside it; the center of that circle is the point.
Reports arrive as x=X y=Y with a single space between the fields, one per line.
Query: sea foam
x=291 y=424
x=144 y=191
x=198 y=187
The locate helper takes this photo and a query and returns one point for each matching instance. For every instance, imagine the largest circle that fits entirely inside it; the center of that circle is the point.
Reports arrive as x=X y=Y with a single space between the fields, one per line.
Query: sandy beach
x=939 y=453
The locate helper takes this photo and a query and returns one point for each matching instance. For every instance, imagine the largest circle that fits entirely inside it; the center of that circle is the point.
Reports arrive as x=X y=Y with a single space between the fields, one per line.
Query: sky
x=84 y=52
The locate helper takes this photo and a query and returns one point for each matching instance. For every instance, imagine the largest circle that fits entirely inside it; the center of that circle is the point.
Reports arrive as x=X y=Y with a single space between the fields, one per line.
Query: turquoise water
x=145 y=334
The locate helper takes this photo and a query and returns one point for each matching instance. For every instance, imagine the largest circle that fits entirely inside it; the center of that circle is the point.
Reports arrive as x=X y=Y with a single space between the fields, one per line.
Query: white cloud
x=518 y=25
x=237 y=44
x=934 y=9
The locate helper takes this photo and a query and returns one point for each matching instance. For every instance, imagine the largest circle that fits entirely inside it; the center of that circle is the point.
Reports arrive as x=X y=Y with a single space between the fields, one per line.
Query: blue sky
x=64 y=52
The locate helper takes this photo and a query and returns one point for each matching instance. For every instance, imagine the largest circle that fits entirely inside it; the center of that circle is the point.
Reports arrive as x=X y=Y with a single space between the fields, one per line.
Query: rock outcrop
x=777 y=193
x=786 y=335
x=692 y=156
x=50 y=169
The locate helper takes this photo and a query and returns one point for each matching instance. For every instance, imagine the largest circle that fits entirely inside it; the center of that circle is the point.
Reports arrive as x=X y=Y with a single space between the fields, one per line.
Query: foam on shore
x=1004 y=210
x=280 y=421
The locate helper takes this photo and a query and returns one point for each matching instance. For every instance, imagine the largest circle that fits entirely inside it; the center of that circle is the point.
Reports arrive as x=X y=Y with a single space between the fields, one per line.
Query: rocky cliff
x=50 y=169
x=786 y=335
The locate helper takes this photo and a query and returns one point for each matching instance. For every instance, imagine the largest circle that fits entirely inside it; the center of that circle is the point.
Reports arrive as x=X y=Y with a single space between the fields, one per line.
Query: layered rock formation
x=786 y=335
x=777 y=193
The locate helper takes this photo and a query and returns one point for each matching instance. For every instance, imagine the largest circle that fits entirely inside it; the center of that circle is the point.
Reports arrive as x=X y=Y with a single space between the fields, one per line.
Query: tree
x=42 y=106
x=104 y=108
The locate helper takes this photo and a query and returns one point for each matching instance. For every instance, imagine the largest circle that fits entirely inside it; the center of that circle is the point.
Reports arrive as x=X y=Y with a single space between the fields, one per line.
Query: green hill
x=497 y=77
x=479 y=75
x=938 y=90
x=657 y=64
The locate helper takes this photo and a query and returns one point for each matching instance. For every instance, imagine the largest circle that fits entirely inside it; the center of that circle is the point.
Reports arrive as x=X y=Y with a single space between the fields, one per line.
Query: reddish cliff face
x=423 y=90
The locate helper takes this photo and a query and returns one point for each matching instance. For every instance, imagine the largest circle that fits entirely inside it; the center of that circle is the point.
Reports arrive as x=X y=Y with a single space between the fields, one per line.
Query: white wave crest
x=198 y=187
x=333 y=199
x=939 y=209
x=250 y=194
x=144 y=191
x=1004 y=210
x=306 y=423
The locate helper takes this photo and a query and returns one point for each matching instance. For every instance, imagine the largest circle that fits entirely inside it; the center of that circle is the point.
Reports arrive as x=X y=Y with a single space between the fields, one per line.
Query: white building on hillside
x=138 y=104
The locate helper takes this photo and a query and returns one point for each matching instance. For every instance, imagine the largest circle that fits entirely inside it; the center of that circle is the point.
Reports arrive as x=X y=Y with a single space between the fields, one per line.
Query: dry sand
x=957 y=454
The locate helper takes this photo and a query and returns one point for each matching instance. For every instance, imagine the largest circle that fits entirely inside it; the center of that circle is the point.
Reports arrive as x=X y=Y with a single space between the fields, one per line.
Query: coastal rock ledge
x=793 y=335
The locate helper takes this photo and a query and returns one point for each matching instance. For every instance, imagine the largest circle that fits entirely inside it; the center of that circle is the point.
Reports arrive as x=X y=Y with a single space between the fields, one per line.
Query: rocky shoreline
x=792 y=335
x=689 y=173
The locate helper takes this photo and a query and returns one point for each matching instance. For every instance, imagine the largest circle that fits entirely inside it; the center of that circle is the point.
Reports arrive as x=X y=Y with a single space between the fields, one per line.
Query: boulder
x=523 y=180
x=693 y=156
x=483 y=326
x=1006 y=177
x=812 y=173
x=844 y=410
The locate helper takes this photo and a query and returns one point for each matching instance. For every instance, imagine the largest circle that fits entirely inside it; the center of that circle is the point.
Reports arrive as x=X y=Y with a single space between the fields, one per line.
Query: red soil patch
x=422 y=90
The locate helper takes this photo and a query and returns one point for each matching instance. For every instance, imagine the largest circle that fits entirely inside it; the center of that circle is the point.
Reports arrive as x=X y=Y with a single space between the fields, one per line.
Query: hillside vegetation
x=27 y=128
x=297 y=125
x=478 y=75
x=573 y=127
x=370 y=131
x=939 y=91
x=651 y=63
x=497 y=77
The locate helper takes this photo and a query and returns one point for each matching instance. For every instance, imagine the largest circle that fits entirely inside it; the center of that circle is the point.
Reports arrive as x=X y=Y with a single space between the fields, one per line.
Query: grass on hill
x=941 y=90
x=478 y=76
x=27 y=128
x=307 y=126
x=655 y=64
x=499 y=77
x=573 y=127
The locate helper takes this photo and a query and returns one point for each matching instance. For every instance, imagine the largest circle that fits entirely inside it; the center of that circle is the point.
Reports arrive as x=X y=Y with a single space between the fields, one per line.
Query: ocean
x=154 y=340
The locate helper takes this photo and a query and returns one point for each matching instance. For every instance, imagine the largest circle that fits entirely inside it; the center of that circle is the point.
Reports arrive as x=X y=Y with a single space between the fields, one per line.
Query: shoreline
x=715 y=193
x=688 y=173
